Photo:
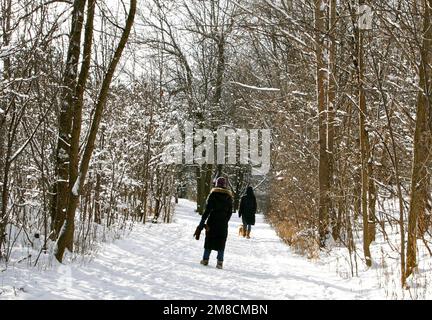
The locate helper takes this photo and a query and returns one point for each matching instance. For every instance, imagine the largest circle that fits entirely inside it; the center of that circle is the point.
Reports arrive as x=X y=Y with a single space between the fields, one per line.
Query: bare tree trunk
x=208 y=180
x=331 y=95
x=2 y=166
x=78 y=105
x=144 y=201
x=61 y=185
x=357 y=193
x=422 y=142
x=200 y=189
x=237 y=195
x=323 y=169
x=5 y=25
x=204 y=181
x=146 y=174
x=97 y=200
x=158 y=195
x=67 y=234
x=5 y=184
x=372 y=196
x=365 y=149
x=220 y=69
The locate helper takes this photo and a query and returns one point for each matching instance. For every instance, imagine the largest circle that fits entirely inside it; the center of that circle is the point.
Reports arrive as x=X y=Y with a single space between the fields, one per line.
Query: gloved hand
x=197 y=233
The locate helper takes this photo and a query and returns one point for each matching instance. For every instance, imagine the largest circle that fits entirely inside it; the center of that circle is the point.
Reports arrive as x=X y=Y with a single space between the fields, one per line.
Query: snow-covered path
x=162 y=262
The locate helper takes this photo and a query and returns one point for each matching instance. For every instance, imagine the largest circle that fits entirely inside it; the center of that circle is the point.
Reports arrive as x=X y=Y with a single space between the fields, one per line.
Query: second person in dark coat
x=247 y=210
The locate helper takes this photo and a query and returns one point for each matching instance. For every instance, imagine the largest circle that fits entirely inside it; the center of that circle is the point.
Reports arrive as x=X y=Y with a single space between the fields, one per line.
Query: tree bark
x=331 y=95
x=365 y=151
x=239 y=184
x=200 y=189
x=2 y=166
x=5 y=25
x=422 y=143
x=78 y=106
x=372 y=196
x=68 y=100
x=323 y=168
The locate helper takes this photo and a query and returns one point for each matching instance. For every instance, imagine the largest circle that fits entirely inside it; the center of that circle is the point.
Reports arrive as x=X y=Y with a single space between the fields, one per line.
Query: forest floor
x=161 y=261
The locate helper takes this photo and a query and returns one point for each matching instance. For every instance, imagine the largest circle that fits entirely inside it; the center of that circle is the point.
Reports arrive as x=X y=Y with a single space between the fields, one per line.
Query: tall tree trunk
x=204 y=183
x=97 y=200
x=323 y=169
x=239 y=184
x=78 y=105
x=11 y=131
x=220 y=70
x=364 y=149
x=67 y=233
x=200 y=189
x=146 y=170
x=158 y=191
x=372 y=196
x=2 y=166
x=331 y=95
x=205 y=171
x=5 y=25
x=422 y=142
x=68 y=100
x=424 y=219
x=208 y=180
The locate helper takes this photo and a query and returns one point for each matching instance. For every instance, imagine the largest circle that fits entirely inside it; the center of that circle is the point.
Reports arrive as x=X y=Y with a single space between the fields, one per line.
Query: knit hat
x=221 y=182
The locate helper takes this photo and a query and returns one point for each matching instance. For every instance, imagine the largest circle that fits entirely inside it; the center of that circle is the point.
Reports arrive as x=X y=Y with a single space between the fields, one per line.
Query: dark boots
x=219 y=264
x=248 y=234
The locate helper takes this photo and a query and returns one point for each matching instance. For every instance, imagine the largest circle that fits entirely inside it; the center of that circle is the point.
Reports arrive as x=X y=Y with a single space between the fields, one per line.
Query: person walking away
x=247 y=210
x=217 y=213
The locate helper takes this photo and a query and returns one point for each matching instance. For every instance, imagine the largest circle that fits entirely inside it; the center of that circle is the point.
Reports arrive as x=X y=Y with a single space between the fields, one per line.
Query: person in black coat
x=217 y=214
x=247 y=210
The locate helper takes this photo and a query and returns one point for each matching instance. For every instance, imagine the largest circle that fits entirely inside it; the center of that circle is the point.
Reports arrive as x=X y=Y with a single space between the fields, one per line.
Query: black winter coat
x=217 y=213
x=248 y=207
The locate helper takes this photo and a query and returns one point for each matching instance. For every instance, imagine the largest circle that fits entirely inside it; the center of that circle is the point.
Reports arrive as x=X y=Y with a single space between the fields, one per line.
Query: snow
x=323 y=5
x=161 y=261
x=75 y=189
x=299 y=93
x=254 y=87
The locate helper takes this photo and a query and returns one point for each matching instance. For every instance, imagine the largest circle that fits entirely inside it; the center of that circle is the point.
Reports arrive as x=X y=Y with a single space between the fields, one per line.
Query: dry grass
x=301 y=237
x=301 y=241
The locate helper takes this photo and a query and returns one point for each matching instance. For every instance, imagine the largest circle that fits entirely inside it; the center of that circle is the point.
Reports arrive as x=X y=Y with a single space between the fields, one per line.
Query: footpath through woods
x=161 y=261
